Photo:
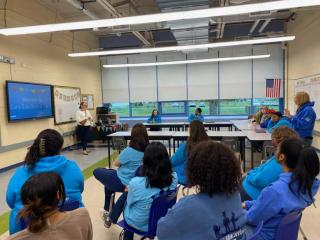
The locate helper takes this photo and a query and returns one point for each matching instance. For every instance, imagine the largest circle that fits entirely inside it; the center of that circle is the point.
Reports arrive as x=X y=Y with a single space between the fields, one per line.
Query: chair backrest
x=256 y=232
x=289 y=226
x=119 y=143
x=159 y=209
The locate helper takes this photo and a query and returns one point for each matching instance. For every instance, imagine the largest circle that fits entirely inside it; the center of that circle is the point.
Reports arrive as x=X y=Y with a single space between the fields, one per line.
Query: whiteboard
x=310 y=85
x=66 y=104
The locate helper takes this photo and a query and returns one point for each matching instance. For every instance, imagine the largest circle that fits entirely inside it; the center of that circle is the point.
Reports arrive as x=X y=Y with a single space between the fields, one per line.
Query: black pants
x=83 y=133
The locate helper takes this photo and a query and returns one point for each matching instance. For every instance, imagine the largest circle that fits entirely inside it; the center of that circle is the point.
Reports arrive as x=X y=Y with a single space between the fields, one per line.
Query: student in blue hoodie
x=154 y=118
x=276 y=121
x=197 y=134
x=130 y=159
x=303 y=121
x=197 y=115
x=156 y=175
x=294 y=191
x=215 y=211
x=265 y=174
x=43 y=156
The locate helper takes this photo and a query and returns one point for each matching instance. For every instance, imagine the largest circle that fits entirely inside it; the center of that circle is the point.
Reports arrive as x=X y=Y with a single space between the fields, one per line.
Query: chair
x=288 y=228
x=159 y=208
x=256 y=232
x=119 y=143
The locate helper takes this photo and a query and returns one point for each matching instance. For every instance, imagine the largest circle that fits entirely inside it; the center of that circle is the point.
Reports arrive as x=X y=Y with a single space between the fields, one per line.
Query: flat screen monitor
x=28 y=101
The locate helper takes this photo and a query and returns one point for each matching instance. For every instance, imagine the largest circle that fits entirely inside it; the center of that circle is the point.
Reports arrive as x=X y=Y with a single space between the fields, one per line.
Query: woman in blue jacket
x=196 y=116
x=265 y=174
x=294 y=191
x=156 y=175
x=43 y=156
x=276 y=121
x=155 y=118
x=303 y=121
x=197 y=133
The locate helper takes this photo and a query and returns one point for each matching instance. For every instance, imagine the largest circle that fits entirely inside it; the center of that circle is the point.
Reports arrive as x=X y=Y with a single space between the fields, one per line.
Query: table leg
x=109 y=155
x=169 y=141
x=243 y=153
x=174 y=145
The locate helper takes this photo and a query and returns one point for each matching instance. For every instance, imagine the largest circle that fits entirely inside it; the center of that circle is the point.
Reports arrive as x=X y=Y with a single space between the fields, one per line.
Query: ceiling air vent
x=260 y=14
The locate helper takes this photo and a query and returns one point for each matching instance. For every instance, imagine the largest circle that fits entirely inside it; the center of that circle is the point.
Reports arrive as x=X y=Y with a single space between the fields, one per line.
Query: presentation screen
x=28 y=101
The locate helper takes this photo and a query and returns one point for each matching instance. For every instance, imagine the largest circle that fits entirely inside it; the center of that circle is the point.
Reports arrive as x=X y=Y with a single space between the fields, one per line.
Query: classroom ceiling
x=175 y=32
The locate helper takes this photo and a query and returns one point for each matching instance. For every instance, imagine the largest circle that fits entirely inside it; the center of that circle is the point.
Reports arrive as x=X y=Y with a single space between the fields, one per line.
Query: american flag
x=273 y=88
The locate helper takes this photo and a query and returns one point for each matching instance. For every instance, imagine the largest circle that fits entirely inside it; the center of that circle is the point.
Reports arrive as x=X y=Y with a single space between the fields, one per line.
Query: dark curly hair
x=213 y=168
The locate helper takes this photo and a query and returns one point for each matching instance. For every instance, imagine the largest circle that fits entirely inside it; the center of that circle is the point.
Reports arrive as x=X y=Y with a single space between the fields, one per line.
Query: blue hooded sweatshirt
x=276 y=201
x=154 y=119
x=265 y=123
x=68 y=170
x=303 y=121
x=179 y=161
x=281 y=122
x=193 y=117
x=260 y=177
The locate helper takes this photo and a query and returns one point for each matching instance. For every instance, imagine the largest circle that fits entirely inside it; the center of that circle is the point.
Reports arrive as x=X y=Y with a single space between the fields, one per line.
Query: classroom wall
x=303 y=56
x=41 y=58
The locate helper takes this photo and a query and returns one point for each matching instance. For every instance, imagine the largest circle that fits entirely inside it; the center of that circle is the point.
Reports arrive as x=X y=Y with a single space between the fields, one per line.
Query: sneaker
x=85 y=152
x=106 y=219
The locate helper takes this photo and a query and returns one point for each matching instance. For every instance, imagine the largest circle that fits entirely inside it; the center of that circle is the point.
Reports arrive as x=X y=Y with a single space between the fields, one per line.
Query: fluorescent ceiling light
x=184 y=48
x=163 y=17
x=186 y=61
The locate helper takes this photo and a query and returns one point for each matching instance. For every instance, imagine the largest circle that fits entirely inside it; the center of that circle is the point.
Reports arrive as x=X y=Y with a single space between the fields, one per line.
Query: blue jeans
x=112 y=184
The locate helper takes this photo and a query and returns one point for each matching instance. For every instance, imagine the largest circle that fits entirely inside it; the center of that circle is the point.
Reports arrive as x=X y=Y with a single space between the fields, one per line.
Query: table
x=244 y=125
x=161 y=135
x=253 y=136
x=216 y=135
x=177 y=126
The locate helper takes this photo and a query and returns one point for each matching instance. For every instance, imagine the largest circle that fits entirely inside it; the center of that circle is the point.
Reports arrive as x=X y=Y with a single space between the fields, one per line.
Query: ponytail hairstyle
x=48 y=143
x=41 y=196
x=304 y=163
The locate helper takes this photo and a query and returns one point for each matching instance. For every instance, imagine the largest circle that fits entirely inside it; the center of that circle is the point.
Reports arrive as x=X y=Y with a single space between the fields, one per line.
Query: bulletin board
x=311 y=85
x=88 y=98
x=66 y=103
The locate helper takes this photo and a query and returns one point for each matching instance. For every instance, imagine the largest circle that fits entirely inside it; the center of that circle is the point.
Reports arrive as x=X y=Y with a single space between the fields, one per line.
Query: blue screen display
x=28 y=101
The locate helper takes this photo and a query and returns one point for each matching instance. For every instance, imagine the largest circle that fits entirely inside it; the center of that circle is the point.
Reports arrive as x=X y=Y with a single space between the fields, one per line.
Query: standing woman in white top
x=84 y=120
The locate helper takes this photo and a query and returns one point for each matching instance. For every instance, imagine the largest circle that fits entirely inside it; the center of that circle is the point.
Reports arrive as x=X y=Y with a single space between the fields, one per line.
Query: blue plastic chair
x=159 y=208
x=256 y=232
x=289 y=226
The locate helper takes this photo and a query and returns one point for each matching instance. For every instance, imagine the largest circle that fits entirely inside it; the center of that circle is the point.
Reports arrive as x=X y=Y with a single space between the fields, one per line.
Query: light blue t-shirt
x=193 y=117
x=139 y=201
x=179 y=162
x=130 y=160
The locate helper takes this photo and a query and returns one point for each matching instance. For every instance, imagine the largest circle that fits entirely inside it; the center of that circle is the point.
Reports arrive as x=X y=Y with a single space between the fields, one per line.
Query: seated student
x=276 y=121
x=215 y=212
x=42 y=195
x=117 y=180
x=197 y=133
x=265 y=123
x=156 y=175
x=196 y=116
x=265 y=174
x=43 y=156
x=154 y=118
x=294 y=191
x=261 y=116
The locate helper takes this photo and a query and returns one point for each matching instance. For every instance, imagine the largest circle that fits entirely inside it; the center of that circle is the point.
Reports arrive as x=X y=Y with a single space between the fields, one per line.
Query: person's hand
x=287 y=113
x=126 y=189
x=243 y=205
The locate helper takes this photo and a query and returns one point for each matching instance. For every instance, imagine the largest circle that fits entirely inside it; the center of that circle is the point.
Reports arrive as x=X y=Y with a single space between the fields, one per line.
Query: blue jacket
x=196 y=117
x=179 y=162
x=303 y=121
x=200 y=216
x=68 y=170
x=281 y=122
x=265 y=123
x=274 y=202
x=260 y=177
x=154 y=119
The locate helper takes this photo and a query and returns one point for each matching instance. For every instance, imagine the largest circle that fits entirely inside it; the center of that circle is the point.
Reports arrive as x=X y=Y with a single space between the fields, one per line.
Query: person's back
x=294 y=191
x=41 y=195
x=75 y=225
x=215 y=212
x=41 y=158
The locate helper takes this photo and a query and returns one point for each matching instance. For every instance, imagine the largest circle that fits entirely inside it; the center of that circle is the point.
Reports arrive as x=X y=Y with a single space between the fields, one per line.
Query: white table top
x=254 y=136
x=185 y=123
x=213 y=134
x=150 y=133
x=245 y=125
